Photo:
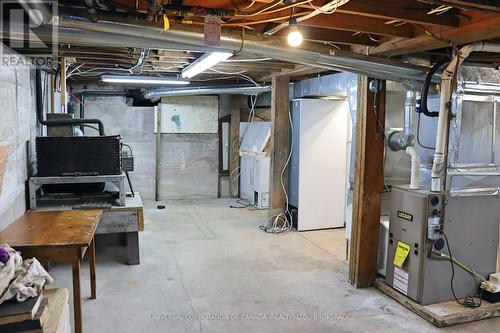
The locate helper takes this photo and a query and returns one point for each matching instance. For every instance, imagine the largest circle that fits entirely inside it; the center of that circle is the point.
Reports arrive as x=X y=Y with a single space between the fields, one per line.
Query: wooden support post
x=279 y=143
x=64 y=100
x=368 y=184
x=234 y=155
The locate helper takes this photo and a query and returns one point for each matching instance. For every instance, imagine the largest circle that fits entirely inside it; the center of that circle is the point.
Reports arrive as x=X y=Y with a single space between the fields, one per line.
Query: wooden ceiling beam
x=474 y=32
x=357 y=23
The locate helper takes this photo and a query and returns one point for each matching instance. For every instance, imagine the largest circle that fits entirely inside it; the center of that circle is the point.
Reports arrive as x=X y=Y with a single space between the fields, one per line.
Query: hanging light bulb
x=295 y=37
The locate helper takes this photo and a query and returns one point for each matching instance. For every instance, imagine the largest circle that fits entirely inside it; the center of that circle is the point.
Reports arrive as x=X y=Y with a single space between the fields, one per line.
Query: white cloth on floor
x=28 y=279
x=8 y=270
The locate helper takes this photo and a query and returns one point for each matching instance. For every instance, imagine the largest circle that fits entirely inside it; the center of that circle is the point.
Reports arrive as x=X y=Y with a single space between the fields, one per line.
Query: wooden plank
x=118 y=221
x=369 y=183
x=71 y=228
x=477 y=31
x=234 y=155
x=140 y=219
x=63 y=254
x=279 y=143
x=58 y=300
x=442 y=314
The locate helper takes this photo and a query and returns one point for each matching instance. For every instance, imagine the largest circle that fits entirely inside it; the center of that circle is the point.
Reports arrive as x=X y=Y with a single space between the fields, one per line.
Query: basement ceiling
x=388 y=29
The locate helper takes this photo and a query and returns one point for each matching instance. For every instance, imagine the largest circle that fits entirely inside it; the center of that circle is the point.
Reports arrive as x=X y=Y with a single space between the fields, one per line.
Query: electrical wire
x=262 y=10
x=468 y=301
x=283 y=221
x=418 y=135
x=327 y=11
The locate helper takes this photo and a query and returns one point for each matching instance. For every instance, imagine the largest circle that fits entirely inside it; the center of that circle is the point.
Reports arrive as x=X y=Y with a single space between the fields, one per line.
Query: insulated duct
x=214 y=90
x=310 y=55
x=445 y=108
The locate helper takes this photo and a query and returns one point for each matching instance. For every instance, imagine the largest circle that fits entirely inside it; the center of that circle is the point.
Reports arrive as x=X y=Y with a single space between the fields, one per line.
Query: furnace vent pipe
x=445 y=105
x=402 y=140
x=207 y=90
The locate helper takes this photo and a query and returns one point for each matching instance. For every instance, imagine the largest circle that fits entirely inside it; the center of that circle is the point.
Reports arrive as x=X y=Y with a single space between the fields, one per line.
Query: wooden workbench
x=58 y=236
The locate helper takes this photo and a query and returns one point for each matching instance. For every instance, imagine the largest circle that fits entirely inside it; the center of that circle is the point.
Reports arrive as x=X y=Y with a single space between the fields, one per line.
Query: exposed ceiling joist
x=488 y=6
x=482 y=30
x=335 y=36
x=404 y=10
x=359 y=23
x=397 y=10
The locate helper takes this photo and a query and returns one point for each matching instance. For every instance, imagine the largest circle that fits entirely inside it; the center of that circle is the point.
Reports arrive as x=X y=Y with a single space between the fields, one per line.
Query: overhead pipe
x=206 y=90
x=316 y=56
x=445 y=106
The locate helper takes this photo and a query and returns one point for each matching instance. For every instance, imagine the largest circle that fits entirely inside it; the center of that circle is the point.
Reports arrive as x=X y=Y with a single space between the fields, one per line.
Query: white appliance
x=319 y=163
x=255 y=164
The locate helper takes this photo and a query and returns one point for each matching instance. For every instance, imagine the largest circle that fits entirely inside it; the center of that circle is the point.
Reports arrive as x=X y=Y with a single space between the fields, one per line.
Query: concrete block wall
x=189 y=162
x=18 y=129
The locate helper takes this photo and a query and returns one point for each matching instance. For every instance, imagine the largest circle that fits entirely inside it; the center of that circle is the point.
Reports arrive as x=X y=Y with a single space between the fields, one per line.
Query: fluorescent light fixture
x=142 y=79
x=203 y=63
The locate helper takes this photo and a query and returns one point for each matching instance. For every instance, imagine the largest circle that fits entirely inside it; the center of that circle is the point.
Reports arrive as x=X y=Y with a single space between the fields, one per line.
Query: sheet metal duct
x=311 y=55
x=214 y=90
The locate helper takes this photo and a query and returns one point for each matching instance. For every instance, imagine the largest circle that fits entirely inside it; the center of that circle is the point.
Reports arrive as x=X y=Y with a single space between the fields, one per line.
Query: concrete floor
x=201 y=257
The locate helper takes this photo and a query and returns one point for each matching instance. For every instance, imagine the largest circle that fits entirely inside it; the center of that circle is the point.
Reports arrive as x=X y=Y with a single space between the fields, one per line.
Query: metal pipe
x=95 y=93
x=61 y=122
x=92 y=8
x=316 y=56
x=207 y=90
x=402 y=140
x=445 y=105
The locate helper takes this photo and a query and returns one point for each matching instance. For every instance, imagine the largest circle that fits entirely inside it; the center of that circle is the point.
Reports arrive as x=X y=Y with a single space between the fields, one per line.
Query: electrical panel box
x=471 y=224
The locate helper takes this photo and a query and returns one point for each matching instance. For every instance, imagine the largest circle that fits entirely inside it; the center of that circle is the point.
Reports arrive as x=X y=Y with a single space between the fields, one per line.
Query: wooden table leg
x=77 y=297
x=93 y=291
